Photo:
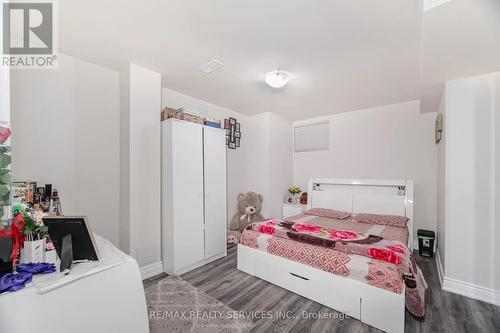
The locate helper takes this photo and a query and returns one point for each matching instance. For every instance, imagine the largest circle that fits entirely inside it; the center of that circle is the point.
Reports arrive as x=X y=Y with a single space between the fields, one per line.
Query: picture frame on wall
x=233 y=133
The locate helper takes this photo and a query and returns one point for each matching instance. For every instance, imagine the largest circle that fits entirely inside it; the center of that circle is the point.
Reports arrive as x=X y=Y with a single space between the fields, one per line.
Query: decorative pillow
x=393 y=220
x=329 y=213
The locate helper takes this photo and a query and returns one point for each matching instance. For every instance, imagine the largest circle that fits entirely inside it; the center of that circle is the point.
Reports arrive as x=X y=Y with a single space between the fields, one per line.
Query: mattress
x=361 y=268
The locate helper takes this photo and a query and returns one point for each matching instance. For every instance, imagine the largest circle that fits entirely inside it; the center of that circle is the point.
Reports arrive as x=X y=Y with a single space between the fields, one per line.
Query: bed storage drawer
x=322 y=287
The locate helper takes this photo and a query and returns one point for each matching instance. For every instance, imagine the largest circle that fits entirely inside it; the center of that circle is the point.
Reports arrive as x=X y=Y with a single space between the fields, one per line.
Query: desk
x=111 y=299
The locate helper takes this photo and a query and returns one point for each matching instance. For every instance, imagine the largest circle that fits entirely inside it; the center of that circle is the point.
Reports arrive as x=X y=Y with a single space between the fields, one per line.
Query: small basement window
x=312 y=137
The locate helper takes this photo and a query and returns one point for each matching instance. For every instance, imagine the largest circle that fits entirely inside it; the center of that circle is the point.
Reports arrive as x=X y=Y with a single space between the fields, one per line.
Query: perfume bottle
x=58 y=207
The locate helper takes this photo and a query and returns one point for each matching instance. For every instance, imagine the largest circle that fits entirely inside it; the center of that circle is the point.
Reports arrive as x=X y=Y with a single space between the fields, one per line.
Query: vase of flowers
x=294 y=194
x=34 y=233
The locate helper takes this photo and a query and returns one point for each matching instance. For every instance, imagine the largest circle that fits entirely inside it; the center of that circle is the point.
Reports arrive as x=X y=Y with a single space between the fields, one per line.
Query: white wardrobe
x=193 y=195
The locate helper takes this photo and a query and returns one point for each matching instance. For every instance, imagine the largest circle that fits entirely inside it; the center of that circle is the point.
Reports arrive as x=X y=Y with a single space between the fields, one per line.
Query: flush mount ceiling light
x=277 y=79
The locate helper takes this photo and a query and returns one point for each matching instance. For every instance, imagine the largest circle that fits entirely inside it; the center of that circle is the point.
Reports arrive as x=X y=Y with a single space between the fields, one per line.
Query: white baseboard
x=464 y=288
x=440 y=269
x=151 y=270
x=471 y=290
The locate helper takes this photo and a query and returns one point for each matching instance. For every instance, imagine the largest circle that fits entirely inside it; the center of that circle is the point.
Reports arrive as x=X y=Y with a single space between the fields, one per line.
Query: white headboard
x=393 y=197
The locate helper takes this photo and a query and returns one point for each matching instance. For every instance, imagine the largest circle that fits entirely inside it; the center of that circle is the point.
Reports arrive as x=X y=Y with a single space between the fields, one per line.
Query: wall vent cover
x=211 y=66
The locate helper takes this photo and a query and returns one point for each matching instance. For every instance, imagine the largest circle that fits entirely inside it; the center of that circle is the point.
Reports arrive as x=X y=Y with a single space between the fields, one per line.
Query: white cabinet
x=214 y=161
x=193 y=195
x=293 y=209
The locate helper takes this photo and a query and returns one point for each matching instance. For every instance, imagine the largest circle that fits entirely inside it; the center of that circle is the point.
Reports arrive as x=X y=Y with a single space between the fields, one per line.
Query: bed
x=341 y=280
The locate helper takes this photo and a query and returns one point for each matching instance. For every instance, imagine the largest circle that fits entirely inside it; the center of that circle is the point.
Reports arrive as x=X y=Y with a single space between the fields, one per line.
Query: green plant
x=5 y=180
x=33 y=231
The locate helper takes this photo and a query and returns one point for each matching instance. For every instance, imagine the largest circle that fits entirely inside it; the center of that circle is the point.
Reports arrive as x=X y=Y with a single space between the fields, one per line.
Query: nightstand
x=293 y=209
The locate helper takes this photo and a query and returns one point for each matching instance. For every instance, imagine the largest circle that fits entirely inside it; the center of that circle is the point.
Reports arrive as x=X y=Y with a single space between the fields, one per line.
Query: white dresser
x=193 y=195
x=97 y=296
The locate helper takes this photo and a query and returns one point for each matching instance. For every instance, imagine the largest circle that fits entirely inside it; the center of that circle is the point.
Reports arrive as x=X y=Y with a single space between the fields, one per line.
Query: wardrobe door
x=214 y=153
x=187 y=162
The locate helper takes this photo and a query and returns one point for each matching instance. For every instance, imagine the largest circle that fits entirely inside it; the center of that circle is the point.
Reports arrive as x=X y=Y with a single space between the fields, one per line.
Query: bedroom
x=386 y=107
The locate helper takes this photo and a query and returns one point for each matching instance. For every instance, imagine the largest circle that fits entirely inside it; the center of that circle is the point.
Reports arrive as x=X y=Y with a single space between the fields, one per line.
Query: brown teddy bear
x=249 y=206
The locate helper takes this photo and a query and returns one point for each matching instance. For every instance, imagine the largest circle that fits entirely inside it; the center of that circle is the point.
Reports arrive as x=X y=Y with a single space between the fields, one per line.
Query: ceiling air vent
x=211 y=66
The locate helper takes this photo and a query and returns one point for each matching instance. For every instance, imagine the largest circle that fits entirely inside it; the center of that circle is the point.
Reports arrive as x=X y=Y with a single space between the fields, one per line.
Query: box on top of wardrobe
x=180 y=114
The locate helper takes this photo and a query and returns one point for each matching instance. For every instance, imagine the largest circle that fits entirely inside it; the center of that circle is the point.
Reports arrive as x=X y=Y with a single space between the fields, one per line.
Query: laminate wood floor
x=446 y=312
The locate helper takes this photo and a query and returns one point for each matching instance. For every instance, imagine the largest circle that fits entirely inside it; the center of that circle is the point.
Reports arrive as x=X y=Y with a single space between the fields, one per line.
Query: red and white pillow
x=328 y=213
x=392 y=220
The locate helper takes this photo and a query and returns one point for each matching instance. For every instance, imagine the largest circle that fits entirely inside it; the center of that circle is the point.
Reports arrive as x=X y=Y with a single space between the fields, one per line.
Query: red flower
x=384 y=255
x=342 y=234
x=307 y=228
x=267 y=227
x=397 y=249
x=4 y=134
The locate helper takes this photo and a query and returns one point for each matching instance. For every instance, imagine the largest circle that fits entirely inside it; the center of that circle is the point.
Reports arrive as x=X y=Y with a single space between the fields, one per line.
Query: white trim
x=367 y=182
x=440 y=269
x=464 y=288
x=471 y=290
x=151 y=270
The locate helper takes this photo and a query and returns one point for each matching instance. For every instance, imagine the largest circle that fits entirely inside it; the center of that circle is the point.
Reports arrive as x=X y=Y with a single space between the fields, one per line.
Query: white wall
x=388 y=142
x=65 y=132
x=441 y=190
x=496 y=225
x=140 y=167
x=471 y=182
x=280 y=162
x=270 y=160
x=236 y=158
x=4 y=84
x=258 y=158
x=4 y=105
x=4 y=94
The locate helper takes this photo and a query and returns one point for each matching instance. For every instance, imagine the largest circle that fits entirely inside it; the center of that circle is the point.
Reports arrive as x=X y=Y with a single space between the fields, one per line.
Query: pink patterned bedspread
x=386 y=231
x=371 y=259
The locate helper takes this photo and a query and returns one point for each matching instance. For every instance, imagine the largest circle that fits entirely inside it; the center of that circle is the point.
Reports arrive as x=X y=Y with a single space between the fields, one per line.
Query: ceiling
x=343 y=55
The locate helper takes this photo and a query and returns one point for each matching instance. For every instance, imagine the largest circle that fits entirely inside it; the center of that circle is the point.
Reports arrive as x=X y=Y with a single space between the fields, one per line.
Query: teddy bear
x=249 y=206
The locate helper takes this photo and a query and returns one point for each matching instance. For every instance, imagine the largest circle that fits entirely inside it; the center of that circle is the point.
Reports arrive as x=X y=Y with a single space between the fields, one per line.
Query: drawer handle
x=300 y=277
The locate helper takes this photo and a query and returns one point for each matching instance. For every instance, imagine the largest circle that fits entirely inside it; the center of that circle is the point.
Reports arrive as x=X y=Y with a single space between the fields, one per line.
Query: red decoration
x=303 y=198
x=15 y=233
x=4 y=134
